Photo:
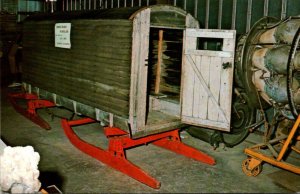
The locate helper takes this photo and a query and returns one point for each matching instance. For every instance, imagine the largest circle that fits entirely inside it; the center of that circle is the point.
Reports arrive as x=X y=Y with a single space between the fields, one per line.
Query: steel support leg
x=289 y=139
x=119 y=140
x=33 y=103
x=113 y=157
x=174 y=144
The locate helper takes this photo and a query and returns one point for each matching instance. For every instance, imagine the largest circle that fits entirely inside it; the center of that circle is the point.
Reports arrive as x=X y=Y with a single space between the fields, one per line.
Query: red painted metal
x=114 y=156
x=113 y=131
x=174 y=144
x=33 y=103
x=120 y=140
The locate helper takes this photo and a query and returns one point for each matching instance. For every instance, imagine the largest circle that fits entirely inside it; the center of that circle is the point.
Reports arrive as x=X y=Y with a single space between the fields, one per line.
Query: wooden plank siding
x=141 y=28
x=95 y=71
x=104 y=75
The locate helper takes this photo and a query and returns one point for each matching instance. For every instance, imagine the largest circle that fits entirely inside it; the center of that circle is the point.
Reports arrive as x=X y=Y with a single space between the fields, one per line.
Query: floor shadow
x=49 y=178
x=286 y=179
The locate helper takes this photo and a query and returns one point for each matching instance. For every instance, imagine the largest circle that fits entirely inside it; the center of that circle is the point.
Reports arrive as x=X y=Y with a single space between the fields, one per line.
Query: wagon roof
x=113 y=13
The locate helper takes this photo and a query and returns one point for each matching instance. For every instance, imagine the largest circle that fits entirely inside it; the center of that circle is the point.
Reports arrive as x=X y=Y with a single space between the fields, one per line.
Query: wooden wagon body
x=138 y=69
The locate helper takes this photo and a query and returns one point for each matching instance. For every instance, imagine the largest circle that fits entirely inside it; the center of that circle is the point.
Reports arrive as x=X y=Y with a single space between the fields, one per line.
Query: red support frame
x=120 y=140
x=33 y=103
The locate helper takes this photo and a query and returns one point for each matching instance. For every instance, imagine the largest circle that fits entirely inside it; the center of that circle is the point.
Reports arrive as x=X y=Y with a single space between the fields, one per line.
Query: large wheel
x=290 y=73
x=242 y=115
x=251 y=172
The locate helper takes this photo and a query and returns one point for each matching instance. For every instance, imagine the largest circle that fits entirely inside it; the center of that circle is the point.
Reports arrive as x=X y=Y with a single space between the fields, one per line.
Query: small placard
x=62 y=35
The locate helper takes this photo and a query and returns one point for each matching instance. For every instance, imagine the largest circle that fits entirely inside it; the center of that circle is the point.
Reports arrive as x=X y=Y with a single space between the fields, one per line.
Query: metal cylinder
x=269 y=65
x=276 y=88
x=283 y=33
x=297 y=61
x=258 y=58
x=274 y=59
x=286 y=31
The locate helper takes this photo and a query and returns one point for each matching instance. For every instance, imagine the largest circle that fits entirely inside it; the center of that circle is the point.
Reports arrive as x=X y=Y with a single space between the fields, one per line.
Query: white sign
x=62 y=35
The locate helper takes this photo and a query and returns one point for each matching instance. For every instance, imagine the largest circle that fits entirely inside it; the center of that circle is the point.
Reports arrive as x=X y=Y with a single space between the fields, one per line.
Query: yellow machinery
x=252 y=166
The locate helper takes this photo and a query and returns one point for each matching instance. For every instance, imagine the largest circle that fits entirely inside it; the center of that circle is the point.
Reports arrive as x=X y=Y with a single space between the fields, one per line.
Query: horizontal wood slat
x=209 y=33
x=95 y=71
x=209 y=53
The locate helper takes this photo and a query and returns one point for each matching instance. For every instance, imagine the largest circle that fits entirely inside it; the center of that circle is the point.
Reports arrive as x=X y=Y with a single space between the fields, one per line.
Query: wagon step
x=33 y=103
x=120 y=140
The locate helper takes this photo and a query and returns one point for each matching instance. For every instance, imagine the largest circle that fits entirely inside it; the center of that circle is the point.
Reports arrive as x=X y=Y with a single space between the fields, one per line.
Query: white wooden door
x=207 y=78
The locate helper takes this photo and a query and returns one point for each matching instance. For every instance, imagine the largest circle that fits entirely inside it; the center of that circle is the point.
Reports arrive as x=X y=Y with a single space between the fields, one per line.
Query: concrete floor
x=74 y=172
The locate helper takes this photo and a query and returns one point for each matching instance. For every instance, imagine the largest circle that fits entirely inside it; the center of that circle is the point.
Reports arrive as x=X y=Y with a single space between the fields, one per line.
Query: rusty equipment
x=119 y=140
x=252 y=166
x=267 y=65
x=268 y=56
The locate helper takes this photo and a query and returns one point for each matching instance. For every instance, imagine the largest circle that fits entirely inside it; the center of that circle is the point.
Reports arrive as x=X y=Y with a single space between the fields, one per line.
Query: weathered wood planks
x=208 y=75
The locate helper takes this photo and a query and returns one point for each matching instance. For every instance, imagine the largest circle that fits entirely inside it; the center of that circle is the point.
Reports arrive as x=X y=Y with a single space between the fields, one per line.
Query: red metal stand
x=33 y=103
x=119 y=140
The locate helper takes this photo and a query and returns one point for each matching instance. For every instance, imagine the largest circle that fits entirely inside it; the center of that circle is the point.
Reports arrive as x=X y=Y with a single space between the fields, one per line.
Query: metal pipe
x=233 y=18
x=67 y=5
x=105 y=4
x=140 y=2
x=266 y=7
x=84 y=6
x=71 y=4
x=206 y=20
x=112 y=4
x=249 y=15
x=196 y=8
x=220 y=14
x=27 y=6
x=207 y=14
x=118 y=3
x=175 y=3
x=18 y=9
x=90 y=5
x=36 y=6
x=283 y=9
x=184 y=4
x=131 y=3
x=147 y=2
x=125 y=3
x=52 y=7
